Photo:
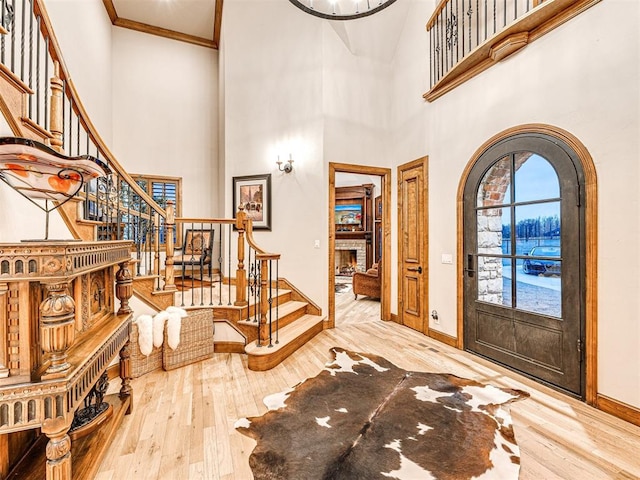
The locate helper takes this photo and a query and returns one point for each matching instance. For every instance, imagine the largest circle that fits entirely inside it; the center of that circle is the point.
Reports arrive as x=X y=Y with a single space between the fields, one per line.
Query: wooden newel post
x=56 y=109
x=170 y=228
x=264 y=301
x=241 y=273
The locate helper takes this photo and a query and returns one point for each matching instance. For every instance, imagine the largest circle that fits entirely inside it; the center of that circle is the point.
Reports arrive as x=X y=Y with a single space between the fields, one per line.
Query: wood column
x=4 y=321
x=241 y=273
x=170 y=227
x=125 y=375
x=58 y=448
x=57 y=327
x=124 y=288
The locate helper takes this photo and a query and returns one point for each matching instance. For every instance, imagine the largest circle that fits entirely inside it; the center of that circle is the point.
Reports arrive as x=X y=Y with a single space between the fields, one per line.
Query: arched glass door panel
x=522 y=296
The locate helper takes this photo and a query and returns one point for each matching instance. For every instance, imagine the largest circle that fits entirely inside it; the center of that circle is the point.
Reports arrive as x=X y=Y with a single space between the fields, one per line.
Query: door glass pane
x=540 y=294
x=494 y=231
x=535 y=178
x=539 y=270
x=495 y=186
x=537 y=225
x=494 y=280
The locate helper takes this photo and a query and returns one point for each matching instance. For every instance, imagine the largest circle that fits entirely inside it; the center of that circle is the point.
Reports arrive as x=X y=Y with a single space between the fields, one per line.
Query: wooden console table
x=59 y=332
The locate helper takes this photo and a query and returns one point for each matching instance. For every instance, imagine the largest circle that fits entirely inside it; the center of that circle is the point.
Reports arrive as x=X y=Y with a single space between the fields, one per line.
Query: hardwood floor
x=182 y=425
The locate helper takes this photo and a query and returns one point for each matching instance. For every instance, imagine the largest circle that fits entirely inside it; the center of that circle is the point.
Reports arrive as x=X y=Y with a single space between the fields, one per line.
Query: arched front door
x=524 y=259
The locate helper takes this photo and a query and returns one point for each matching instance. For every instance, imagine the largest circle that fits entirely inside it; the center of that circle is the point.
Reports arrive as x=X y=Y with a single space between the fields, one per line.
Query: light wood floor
x=182 y=423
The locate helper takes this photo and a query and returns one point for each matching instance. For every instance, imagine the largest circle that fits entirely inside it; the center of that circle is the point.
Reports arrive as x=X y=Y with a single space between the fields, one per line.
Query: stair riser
x=267 y=362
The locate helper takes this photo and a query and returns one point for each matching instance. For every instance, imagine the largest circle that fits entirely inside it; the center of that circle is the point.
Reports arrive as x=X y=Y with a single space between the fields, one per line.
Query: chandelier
x=341 y=9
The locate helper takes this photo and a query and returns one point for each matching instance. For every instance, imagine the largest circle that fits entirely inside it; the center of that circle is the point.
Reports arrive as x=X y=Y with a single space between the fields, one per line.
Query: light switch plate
x=447 y=258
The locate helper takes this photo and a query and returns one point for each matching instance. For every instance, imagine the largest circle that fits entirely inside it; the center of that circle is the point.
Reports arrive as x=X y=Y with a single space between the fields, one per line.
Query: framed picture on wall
x=254 y=193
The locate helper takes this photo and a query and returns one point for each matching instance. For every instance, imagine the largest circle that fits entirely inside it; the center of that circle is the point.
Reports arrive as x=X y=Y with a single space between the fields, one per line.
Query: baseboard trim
x=394 y=318
x=619 y=409
x=444 y=338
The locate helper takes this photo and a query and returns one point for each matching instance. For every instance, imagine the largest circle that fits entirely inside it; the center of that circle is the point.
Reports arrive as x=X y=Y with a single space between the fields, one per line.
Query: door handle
x=470 y=270
x=414 y=269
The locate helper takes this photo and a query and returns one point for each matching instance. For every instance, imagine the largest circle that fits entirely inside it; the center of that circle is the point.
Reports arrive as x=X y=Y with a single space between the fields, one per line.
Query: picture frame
x=254 y=192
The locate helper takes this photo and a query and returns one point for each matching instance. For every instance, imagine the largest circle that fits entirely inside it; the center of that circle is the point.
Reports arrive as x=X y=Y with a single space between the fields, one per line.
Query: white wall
x=581 y=79
x=165 y=108
x=273 y=106
x=317 y=89
x=86 y=47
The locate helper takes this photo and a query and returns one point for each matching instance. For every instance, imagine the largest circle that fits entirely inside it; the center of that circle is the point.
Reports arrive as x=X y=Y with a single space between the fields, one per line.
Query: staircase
x=268 y=327
x=299 y=320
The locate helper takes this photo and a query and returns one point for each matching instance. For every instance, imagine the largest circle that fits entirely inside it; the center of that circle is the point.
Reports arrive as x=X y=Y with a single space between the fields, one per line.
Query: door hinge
x=580 y=353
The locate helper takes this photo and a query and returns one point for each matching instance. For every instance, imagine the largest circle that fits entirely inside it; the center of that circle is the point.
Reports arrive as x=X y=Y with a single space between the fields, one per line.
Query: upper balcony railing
x=468 y=36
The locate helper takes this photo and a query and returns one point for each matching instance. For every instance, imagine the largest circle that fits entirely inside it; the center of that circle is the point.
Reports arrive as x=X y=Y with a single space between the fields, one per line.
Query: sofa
x=368 y=283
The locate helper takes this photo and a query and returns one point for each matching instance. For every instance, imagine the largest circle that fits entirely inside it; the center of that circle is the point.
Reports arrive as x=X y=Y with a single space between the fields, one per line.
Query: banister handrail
x=56 y=54
x=248 y=227
x=229 y=221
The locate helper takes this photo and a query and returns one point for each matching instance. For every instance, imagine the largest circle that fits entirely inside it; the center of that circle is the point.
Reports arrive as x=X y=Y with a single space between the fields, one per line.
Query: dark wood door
x=413 y=271
x=523 y=244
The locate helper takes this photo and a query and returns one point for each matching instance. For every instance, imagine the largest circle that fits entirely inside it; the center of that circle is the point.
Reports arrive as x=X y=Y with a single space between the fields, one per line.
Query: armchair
x=196 y=252
x=368 y=283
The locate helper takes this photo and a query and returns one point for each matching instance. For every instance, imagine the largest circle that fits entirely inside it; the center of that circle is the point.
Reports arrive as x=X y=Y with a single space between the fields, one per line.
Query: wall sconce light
x=288 y=166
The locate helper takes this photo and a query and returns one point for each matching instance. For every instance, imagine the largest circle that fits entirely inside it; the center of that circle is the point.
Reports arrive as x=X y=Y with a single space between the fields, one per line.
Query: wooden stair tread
x=287 y=335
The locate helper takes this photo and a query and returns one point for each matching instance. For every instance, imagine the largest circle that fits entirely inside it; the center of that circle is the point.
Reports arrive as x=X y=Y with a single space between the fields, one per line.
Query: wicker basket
x=141 y=364
x=196 y=341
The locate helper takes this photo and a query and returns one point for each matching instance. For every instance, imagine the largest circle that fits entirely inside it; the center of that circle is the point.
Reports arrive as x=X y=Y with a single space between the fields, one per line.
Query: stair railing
x=117 y=207
x=202 y=258
x=262 y=281
x=113 y=208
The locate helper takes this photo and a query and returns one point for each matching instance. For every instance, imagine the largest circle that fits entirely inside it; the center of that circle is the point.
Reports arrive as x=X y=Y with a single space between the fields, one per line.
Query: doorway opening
x=359 y=199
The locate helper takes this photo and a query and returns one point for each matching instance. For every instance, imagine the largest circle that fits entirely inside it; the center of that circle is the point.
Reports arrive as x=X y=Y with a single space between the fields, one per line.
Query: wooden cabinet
x=59 y=332
x=354 y=216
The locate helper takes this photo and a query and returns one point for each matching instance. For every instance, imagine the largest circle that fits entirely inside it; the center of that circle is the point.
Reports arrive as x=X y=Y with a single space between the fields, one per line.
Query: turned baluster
x=170 y=226
x=264 y=302
x=56 y=109
x=241 y=273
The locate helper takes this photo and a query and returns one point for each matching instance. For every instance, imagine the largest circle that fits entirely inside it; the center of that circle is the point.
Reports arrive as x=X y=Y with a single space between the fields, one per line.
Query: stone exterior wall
x=490 y=268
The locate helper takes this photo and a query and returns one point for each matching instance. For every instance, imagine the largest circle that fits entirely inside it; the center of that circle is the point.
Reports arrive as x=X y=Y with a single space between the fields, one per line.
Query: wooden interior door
x=413 y=245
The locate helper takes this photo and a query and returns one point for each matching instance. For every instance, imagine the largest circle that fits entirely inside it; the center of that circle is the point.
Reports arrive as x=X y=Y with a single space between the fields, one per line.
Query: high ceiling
x=192 y=21
x=199 y=22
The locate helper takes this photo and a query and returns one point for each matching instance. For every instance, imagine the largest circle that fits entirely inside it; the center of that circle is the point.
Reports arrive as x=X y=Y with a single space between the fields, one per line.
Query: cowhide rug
x=363 y=418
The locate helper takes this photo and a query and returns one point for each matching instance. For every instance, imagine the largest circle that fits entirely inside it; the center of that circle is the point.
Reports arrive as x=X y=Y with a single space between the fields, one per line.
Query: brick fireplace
x=350 y=256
